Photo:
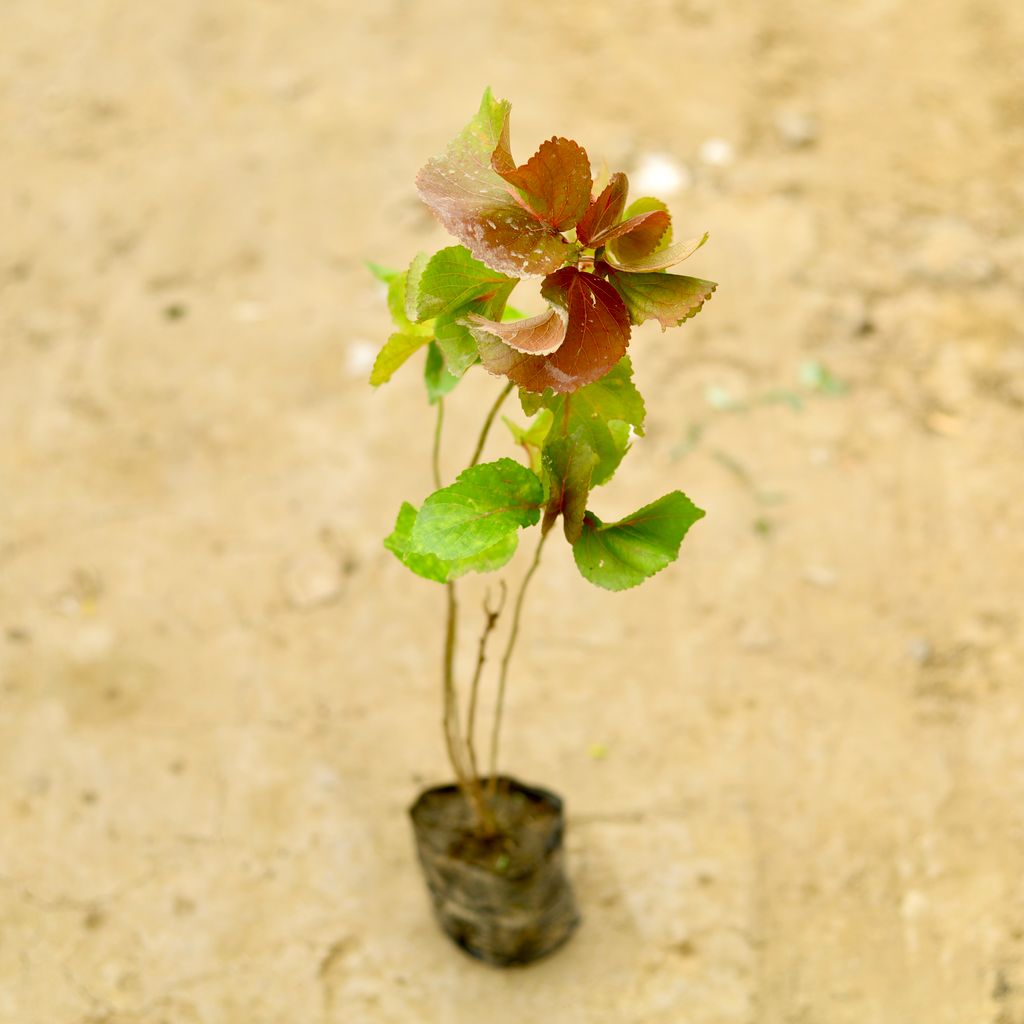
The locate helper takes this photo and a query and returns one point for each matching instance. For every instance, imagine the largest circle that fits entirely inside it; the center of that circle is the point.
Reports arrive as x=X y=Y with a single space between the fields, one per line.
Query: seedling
x=602 y=267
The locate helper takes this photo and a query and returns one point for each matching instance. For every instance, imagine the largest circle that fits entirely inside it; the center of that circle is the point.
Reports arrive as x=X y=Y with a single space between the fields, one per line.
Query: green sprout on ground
x=602 y=265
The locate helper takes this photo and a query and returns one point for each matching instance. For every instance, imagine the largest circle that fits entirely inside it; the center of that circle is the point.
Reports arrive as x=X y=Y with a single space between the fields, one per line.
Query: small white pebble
x=323 y=776
x=659 y=175
x=360 y=357
x=756 y=635
x=944 y=423
x=914 y=903
x=716 y=152
x=248 y=312
x=796 y=128
x=311 y=579
x=90 y=644
x=820 y=576
x=919 y=650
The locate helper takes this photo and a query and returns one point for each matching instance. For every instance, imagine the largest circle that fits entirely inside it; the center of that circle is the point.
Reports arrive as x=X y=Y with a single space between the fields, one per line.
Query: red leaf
x=537 y=335
x=501 y=155
x=660 y=260
x=643 y=242
x=605 y=211
x=556 y=179
x=639 y=235
x=596 y=337
x=474 y=204
x=512 y=240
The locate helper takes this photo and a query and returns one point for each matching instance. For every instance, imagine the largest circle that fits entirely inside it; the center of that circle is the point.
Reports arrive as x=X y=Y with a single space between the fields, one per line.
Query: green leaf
x=397 y=307
x=450 y=286
x=570 y=464
x=408 y=338
x=451 y=279
x=413 y=276
x=456 y=344
x=436 y=376
x=484 y=505
x=396 y=351
x=605 y=411
x=621 y=555
x=532 y=437
x=668 y=298
x=616 y=444
x=613 y=397
x=440 y=570
x=531 y=401
x=380 y=272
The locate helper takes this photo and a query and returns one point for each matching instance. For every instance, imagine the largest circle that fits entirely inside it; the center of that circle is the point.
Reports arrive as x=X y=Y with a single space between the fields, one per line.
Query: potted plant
x=490 y=846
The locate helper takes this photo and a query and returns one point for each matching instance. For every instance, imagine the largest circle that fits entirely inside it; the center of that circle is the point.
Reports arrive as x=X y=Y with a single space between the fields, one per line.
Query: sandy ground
x=219 y=693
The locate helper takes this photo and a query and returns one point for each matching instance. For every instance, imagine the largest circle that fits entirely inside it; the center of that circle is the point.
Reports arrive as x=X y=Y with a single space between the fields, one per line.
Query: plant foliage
x=620 y=555
x=602 y=261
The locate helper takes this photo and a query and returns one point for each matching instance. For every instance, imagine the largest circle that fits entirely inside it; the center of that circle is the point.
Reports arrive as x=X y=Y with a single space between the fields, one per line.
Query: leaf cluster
x=602 y=263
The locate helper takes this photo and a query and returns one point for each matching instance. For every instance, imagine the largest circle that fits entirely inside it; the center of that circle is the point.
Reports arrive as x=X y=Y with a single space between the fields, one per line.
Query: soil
x=528 y=822
x=793 y=763
x=506 y=899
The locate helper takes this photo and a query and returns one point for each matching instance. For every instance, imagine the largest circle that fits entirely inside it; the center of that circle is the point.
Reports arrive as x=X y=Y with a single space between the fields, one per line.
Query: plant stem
x=468 y=779
x=491 y=620
x=486 y=429
x=450 y=721
x=506 y=658
x=460 y=750
x=435 y=455
x=468 y=776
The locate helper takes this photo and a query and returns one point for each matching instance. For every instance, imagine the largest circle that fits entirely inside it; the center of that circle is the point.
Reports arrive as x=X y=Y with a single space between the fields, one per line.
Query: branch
x=435 y=454
x=487 y=424
x=467 y=776
x=492 y=785
x=490 y=622
x=450 y=720
x=450 y=717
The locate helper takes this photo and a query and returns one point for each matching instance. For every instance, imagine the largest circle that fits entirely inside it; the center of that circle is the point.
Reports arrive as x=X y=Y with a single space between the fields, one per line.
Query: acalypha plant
x=602 y=263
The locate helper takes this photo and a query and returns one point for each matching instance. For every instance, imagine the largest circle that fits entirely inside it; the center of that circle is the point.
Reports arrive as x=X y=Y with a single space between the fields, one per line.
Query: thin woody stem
x=450 y=721
x=492 y=785
x=468 y=779
x=435 y=455
x=486 y=429
x=460 y=750
x=491 y=620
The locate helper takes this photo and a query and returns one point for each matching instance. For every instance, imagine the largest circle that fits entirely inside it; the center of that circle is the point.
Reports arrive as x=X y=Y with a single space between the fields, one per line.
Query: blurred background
x=793 y=763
